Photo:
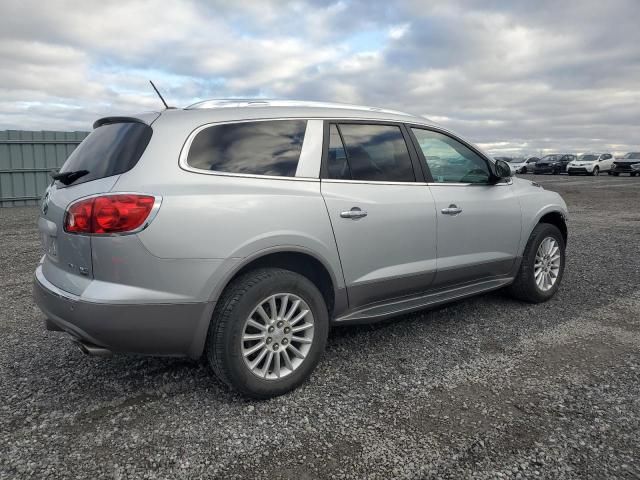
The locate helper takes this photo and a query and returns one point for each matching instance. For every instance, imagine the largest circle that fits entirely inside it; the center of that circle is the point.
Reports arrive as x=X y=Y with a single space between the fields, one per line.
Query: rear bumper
x=176 y=329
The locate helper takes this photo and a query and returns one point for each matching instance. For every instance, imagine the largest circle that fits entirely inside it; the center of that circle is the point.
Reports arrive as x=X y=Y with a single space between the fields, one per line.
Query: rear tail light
x=117 y=213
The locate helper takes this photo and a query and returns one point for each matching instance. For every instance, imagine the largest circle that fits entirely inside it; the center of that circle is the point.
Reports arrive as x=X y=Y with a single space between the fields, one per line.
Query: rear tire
x=526 y=287
x=227 y=346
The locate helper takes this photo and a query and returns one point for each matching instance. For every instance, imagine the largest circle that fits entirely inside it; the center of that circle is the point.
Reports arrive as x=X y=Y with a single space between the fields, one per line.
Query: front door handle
x=354 y=213
x=452 y=210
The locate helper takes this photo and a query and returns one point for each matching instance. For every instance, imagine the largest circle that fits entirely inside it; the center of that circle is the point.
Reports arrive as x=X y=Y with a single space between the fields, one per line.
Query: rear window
x=109 y=150
x=256 y=148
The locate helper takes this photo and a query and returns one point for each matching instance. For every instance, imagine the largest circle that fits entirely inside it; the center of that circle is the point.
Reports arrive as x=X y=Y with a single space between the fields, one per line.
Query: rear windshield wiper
x=68 y=177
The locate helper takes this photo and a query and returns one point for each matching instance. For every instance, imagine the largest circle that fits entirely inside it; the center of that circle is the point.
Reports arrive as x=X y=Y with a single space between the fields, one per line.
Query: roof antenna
x=165 y=103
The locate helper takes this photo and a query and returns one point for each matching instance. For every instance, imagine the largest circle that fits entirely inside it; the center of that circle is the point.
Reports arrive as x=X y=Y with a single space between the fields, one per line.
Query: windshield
x=551 y=158
x=632 y=156
x=515 y=160
x=588 y=158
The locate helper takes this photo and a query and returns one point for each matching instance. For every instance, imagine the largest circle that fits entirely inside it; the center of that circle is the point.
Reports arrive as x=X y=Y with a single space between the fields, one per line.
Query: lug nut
x=287 y=329
x=280 y=324
x=269 y=340
x=285 y=341
x=270 y=329
x=275 y=346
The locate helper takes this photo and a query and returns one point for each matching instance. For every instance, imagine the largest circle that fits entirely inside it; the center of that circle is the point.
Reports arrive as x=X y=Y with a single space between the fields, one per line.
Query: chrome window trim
x=372 y=182
x=428 y=184
x=458 y=184
x=184 y=151
x=311 y=148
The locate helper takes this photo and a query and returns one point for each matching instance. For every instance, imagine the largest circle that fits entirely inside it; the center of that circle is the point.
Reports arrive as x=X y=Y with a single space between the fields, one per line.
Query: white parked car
x=591 y=164
x=519 y=164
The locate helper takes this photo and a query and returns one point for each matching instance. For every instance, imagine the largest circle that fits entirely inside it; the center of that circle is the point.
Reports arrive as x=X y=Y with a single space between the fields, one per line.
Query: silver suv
x=242 y=231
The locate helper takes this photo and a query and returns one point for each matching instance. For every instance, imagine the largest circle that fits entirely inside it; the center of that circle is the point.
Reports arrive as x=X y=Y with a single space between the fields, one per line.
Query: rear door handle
x=452 y=210
x=354 y=213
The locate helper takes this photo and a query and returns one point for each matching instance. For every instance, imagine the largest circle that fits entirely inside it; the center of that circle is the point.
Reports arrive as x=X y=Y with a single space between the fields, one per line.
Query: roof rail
x=266 y=102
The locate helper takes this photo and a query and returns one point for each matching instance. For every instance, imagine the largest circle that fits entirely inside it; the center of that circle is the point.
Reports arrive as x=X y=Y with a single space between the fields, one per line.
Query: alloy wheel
x=277 y=336
x=547 y=264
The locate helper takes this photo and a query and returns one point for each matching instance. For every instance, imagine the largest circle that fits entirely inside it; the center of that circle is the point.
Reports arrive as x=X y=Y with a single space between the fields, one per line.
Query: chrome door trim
x=354 y=214
x=452 y=210
x=371 y=182
x=428 y=184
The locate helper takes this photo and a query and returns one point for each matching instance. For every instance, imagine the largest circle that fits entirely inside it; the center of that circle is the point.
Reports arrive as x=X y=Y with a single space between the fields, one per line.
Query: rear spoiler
x=145 y=118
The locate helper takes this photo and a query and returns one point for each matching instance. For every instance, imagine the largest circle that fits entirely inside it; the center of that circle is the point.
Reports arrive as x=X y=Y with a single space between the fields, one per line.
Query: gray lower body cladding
x=177 y=329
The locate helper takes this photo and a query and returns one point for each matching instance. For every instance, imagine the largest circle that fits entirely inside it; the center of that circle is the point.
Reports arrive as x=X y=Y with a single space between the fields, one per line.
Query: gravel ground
x=483 y=388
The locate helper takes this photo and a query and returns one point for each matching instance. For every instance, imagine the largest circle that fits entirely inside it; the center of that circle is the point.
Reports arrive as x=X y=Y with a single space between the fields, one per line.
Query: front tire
x=268 y=332
x=595 y=172
x=542 y=265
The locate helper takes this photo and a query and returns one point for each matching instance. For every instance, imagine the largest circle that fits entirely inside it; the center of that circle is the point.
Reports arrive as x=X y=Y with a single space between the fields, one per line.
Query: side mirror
x=502 y=169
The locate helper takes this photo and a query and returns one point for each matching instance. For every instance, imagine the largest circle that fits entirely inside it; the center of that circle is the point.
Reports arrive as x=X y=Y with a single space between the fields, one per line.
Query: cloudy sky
x=513 y=76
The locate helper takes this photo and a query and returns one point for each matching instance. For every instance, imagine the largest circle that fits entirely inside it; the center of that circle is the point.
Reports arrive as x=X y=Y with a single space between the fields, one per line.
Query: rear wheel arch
x=298 y=261
x=293 y=258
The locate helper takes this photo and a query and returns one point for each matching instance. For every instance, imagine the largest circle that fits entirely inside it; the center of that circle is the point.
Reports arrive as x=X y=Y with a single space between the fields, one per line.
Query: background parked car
x=591 y=163
x=520 y=164
x=554 y=163
x=529 y=164
x=515 y=163
x=626 y=164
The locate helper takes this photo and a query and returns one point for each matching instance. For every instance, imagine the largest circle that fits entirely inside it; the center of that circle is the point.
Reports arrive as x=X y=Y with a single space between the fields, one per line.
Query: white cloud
x=396 y=32
x=512 y=76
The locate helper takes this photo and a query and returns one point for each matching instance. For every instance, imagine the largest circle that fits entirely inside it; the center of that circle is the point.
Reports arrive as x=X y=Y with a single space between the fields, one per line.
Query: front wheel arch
x=556 y=218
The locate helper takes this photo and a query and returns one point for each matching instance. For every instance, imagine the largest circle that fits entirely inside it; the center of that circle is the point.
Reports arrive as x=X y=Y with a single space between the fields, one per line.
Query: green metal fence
x=26 y=158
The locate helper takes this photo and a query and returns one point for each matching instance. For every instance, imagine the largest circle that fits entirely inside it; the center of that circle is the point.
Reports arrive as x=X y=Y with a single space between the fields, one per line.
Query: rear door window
x=110 y=149
x=257 y=148
x=369 y=153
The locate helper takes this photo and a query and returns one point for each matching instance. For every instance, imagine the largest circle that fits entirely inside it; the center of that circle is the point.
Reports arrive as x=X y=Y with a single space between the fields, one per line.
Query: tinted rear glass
x=257 y=148
x=109 y=150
